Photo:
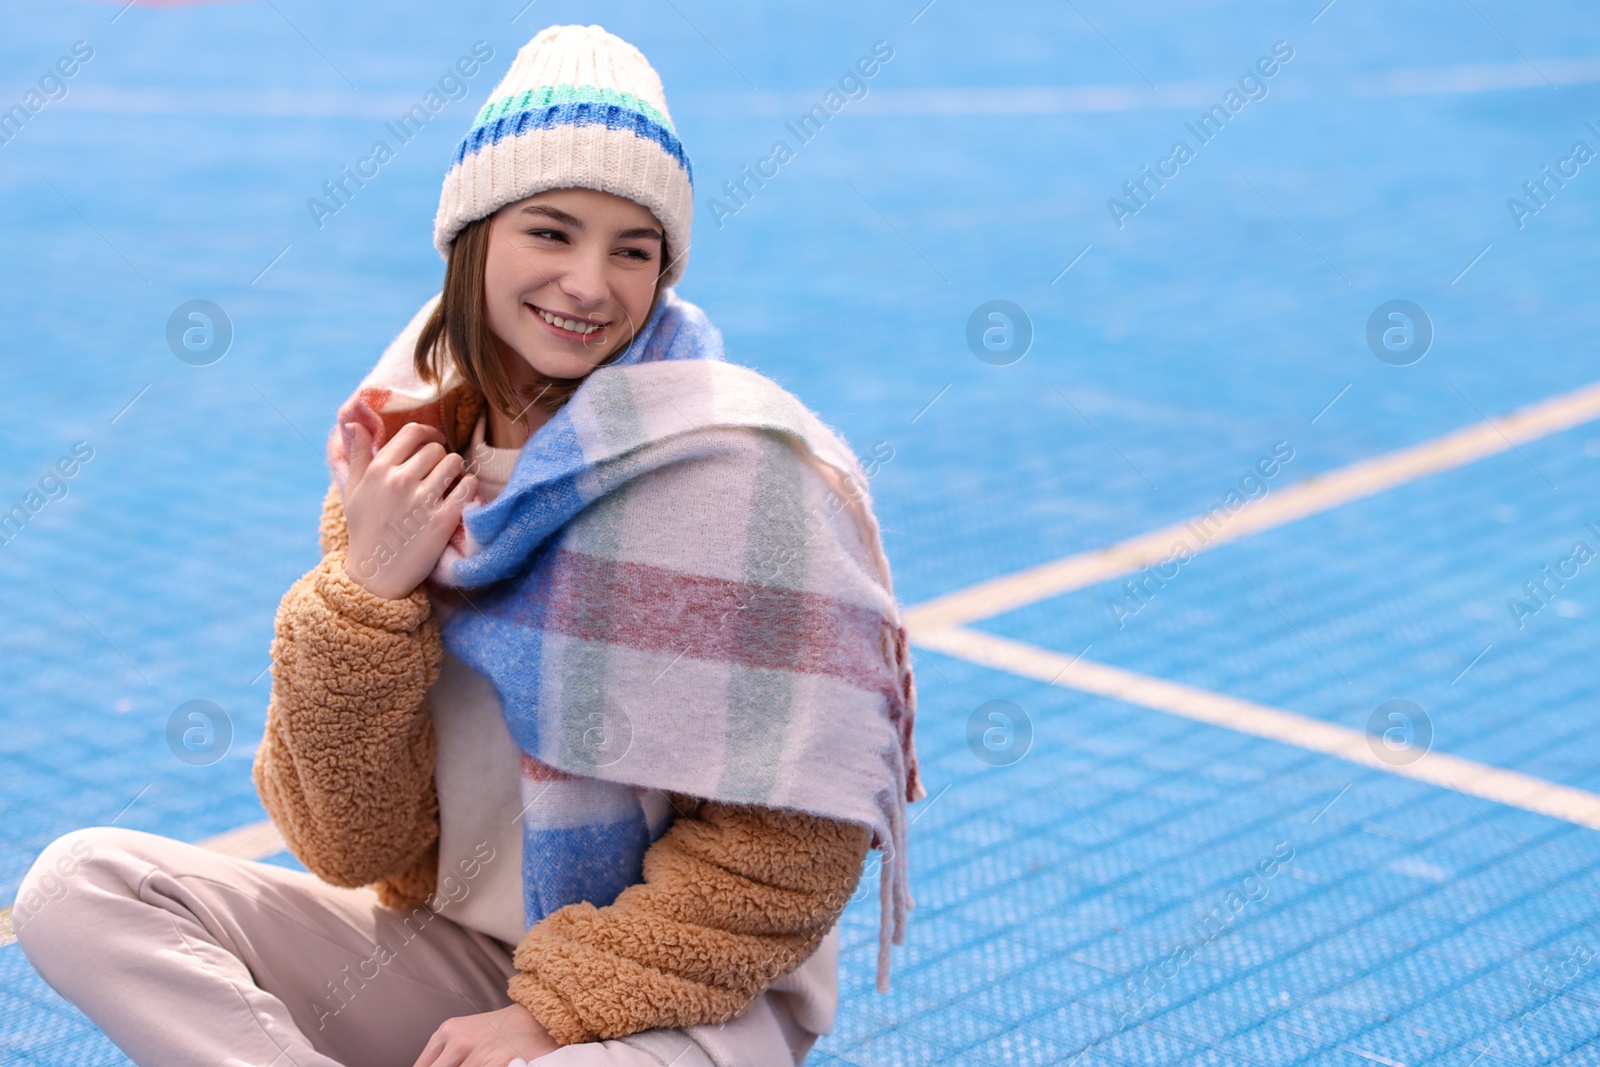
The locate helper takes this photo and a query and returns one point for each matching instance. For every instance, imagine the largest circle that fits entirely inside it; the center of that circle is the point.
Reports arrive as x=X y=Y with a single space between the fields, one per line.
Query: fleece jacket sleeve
x=734 y=897
x=345 y=768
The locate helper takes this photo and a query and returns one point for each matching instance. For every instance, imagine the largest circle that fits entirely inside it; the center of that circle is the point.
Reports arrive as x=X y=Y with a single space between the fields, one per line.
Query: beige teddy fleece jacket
x=734 y=896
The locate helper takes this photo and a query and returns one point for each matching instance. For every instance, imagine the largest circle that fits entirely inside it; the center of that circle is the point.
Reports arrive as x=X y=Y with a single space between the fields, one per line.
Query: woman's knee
x=53 y=887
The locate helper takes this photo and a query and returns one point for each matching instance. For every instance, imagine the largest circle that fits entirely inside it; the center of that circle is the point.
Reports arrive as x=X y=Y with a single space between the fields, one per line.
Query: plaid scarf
x=682 y=588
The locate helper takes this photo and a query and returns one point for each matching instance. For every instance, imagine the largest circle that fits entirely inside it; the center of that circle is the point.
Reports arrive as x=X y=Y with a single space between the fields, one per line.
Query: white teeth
x=568 y=324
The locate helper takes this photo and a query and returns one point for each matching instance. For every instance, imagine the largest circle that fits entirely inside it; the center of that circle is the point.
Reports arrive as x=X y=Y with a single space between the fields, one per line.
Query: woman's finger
x=405 y=442
x=358 y=449
x=423 y=460
x=442 y=474
x=430 y=1052
x=453 y=1054
x=465 y=488
x=441 y=1051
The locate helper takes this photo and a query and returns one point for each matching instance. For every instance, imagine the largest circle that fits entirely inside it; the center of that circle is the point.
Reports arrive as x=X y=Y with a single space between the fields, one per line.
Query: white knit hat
x=579 y=108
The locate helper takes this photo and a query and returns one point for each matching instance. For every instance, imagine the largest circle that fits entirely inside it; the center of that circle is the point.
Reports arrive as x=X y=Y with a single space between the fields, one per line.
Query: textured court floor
x=1109 y=874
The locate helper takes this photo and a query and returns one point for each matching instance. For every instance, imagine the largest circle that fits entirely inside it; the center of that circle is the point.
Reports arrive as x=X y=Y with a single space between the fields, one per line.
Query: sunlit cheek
x=513 y=274
x=634 y=291
x=503 y=306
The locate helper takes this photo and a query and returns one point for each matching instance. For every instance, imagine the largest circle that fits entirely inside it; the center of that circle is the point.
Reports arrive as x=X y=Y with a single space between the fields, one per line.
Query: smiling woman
x=648 y=657
x=538 y=295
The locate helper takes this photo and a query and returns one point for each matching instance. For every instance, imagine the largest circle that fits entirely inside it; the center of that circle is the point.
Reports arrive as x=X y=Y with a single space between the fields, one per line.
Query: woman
x=597 y=700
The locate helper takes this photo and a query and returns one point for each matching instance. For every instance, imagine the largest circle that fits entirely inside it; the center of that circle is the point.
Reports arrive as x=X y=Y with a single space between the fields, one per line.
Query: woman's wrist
x=374 y=583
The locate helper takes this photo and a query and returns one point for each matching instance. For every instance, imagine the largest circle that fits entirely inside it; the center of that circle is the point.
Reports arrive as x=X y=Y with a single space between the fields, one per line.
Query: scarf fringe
x=894 y=883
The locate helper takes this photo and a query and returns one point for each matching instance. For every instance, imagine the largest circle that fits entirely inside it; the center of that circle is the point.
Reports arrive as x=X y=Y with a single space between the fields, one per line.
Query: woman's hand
x=492 y=1039
x=396 y=508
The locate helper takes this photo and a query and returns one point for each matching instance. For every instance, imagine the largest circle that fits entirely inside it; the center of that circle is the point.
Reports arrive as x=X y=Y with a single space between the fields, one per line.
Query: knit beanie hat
x=579 y=108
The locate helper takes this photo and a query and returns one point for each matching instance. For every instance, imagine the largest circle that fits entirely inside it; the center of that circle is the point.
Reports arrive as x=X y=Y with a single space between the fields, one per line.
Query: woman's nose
x=585 y=283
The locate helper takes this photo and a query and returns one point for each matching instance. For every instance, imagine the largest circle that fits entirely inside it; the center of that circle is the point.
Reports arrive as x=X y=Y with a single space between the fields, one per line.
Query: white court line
x=1436 y=768
x=1316 y=494
x=970 y=100
x=256 y=841
x=1097 y=99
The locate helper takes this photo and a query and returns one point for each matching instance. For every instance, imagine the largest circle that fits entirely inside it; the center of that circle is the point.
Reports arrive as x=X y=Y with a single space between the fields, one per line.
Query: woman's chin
x=565 y=364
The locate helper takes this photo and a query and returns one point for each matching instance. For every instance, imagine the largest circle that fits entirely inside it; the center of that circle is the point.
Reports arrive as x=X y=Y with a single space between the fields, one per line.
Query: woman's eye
x=637 y=253
x=554 y=235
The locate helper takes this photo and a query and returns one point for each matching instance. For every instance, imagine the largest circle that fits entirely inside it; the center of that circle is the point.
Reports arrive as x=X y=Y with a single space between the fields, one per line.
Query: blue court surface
x=1175 y=813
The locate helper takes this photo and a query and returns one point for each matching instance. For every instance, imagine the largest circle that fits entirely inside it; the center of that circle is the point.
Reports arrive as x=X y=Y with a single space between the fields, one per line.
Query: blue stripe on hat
x=610 y=116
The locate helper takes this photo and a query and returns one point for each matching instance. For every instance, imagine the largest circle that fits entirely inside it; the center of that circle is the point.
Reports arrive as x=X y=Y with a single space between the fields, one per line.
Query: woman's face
x=587 y=259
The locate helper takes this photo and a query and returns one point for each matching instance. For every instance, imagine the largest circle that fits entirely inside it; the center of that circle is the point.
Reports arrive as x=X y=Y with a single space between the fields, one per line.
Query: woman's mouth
x=569 y=329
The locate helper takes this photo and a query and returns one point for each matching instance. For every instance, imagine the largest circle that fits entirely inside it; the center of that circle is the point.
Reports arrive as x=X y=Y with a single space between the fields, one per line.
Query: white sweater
x=477 y=772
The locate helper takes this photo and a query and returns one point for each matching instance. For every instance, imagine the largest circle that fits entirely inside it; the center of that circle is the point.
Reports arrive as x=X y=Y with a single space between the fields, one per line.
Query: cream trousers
x=185 y=957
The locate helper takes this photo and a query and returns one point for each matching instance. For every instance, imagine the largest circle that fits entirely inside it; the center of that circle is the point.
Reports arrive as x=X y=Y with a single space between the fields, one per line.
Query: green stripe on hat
x=545 y=95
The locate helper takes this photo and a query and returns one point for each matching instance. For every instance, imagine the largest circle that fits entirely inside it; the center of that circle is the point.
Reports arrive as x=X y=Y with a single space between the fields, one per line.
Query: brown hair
x=458 y=330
